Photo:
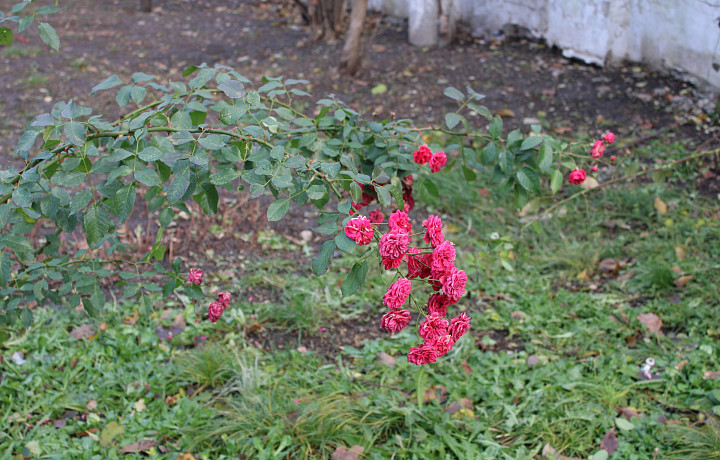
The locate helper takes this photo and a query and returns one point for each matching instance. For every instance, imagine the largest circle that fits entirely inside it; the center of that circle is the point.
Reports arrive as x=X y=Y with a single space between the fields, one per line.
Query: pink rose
x=395 y=320
x=443 y=259
x=390 y=263
x=195 y=276
x=459 y=326
x=437 y=161
x=224 y=298
x=377 y=217
x=609 y=137
x=433 y=232
x=394 y=244
x=360 y=230
x=454 y=284
x=594 y=168
x=422 y=355
x=400 y=219
x=444 y=344
x=577 y=176
x=437 y=305
x=215 y=311
x=397 y=293
x=433 y=327
x=422 y=155
x=597 y=149
x=415 y=262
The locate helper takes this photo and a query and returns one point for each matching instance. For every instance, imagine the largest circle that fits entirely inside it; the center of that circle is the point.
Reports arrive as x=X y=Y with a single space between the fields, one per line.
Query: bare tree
x=351 y=53
x=326 y=17
x=146 y=6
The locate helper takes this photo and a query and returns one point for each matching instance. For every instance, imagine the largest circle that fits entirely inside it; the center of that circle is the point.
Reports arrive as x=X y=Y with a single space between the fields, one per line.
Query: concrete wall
x=681 y=35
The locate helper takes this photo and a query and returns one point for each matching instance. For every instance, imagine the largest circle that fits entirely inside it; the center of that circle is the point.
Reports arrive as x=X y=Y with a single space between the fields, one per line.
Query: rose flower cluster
x=578 y=176
x=216 y=308
x=434 y=265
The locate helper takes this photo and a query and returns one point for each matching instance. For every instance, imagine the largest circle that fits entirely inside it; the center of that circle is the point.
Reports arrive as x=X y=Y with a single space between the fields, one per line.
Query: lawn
x=564 y=315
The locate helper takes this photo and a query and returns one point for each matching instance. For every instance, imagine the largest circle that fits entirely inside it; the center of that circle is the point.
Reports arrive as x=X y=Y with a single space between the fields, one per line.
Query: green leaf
x=75 y=132
x=256 y=190
x=178 y=186
x=331 y=169
x=147 y=176
x=383 y=196
x=140 y=77
x=600 y=455
x=26 y=316
x=79 y=200
x=232 y=88
x=531 y=142
x=151 y=154
x=495 y=129
x=27 y=140
x=344 y=243
x=453 y=93
x=166 y=216
x=481 y=109
x=379 y=89
x=321 y=263
x=278 y=209
x=212 y=142
x=556 y=181
x=225 y=176
x=21 y=197
x=277 y=152
x=5 y=268
x=17 y=243
x=124 y=202
x=524 y=180
x=109 y=82
x=316 y=192
x=545 y=157
x=282 y=181
x=6 y=36
x=624 y=424
x=452 y=119
x=355 y=279
x=97 y=224
x=232 y=113
x=48 y=35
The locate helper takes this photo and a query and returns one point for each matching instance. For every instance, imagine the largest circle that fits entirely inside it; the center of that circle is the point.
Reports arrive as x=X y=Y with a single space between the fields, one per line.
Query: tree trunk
x=350 y=59
x=146 y=6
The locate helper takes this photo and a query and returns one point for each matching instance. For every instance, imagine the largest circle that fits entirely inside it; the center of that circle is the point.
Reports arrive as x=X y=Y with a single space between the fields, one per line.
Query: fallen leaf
x=379 y=89
x=609 y=442
x=111 y=431
x=627 y=275
x=711 y=374
x=533 y=360
x=651 y=321
x=386 y=358
x=683 y=280
x=431 y=393
x=679 y=366
x=33 y=447
x=73 y=363
x=136 y=447
x=677 y=270
x=302 y=349
x=91 y=405
x=139 y=405
x=583 y=275
x=680 y=253
x=179 y=322
x=185 y=456
x=466 y=367
x=86 y=432
x=342 y=453
x=628 y=412
x=506 y=113
x=132 y=319
x=590 y=183
x=83 y=332
x=660 y=206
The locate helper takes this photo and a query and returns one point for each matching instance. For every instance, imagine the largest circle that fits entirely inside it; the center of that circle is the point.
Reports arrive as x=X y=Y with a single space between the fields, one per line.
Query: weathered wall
x=682 y=35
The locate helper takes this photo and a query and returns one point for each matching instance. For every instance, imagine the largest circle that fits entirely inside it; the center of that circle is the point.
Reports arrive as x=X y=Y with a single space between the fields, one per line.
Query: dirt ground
x=522 y=79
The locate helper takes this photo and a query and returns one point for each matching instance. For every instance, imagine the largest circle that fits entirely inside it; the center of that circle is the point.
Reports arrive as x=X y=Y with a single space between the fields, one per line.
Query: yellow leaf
x=583 y=275
x=660 y=206
x=680 y=253
x=139 y=405
x=683 y=280
x=506 y=113
x=589 y=183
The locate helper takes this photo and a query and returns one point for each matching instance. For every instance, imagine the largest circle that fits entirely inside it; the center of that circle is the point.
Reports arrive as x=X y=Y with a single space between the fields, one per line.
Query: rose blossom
x=366 y=200
x=195 y=276
x=433 y=327
x=609 y=137
x=409 y=201
x=393 y=246
x=397 y=293
x=359 y=230
x=377 y=217
x=594 y=168
x=437 y=304
x=215 y=311
x=459 y=326
x=598 y=149
x=444 y=344
x=437 y=161
x=577 y=176
x=399 y=219
x=433 y=232
x=422 y=355
x=224 y=298
x=454 y=284
x=443 y=258
x=422 y=155
x=395 y=320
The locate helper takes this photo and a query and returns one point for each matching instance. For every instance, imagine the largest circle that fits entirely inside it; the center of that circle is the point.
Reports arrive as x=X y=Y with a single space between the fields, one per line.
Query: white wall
x=682 y=35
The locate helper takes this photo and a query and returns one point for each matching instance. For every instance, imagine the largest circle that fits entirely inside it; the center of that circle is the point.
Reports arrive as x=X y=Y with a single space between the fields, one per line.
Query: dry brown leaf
x=86 y=433
x=302 y=349
x=680 y=253
x=610 y=266
x=342 y=453
x=132 y=319
x=386 y=359
x=660 y=206
x=140 y=446
x=590 y=183
x=679 y=366
x=431 y=393
x=179 y=322
x=506 y=113
x=453 y=407
x=185 y=456
x=466 y=367
x=83 y=332
x=711 y=374
x=73 y=363
x=627 y=275
x=583 y=275
x=683 y=280
x=609 y=442
x=651 y=321
x=628 y=412
x=103 y=326
x=677 y=269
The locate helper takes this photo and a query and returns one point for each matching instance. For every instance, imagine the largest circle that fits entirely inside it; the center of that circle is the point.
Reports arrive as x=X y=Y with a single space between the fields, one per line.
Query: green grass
x=578 y=347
